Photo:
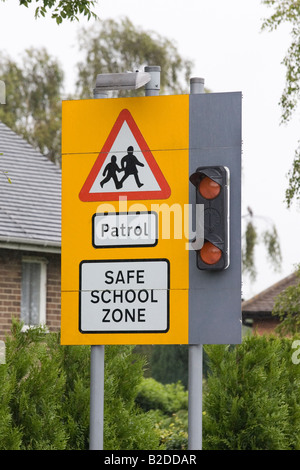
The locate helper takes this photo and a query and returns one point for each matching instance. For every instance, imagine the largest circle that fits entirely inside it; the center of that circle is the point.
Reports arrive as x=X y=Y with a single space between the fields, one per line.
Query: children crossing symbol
x=125 y=167
x=129 y=165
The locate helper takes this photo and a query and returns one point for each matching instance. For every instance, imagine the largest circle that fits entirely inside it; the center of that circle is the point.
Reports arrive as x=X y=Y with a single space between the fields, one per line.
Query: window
x=33 y=292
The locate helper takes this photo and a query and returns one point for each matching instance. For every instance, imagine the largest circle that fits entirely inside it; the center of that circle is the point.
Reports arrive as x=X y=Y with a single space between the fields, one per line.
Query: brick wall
x=265 y=326
x=53 y=293
x=10 y=288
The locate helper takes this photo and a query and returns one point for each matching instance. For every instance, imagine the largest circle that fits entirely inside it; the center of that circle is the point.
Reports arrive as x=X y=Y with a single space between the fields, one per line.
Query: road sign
x=122 y=227
x=129 y=270
x=116 y=174
x=124 y=296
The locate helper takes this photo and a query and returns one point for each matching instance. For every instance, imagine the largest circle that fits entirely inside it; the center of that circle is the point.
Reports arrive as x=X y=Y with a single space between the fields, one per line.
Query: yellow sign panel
x=125 y=221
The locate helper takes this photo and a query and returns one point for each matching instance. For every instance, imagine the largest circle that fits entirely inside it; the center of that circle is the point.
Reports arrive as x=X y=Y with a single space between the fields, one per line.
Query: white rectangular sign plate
x=127 y=229
x=124 y=296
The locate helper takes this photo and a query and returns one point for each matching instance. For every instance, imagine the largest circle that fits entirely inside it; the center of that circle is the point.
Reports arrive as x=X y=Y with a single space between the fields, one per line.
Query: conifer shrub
x=252 y=400
x=45 y=394
x=36 y=386
x=126 y=425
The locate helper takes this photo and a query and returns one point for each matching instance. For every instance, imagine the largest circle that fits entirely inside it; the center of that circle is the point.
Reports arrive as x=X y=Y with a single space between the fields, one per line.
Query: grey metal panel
x=30 y=207
x=215 y=297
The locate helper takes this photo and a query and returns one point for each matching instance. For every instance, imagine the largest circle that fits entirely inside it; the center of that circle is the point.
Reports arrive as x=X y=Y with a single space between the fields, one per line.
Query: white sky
x=223 y=39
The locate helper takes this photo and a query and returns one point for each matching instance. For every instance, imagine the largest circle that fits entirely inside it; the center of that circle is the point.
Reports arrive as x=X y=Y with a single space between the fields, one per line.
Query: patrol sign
x=125 y=229
x=129 y=220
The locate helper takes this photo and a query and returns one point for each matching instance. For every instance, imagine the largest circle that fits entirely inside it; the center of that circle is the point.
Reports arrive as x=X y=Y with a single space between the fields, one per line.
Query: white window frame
x=43 y=290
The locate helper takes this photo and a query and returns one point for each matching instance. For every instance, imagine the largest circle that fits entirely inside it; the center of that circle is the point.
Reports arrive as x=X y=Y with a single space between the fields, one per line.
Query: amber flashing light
x=210 y=254
x=208 y=188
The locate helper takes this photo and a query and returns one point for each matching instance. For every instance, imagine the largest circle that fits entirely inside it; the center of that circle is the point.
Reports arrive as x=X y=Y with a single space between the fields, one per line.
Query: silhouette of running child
x=129 y=165
x=110 y=171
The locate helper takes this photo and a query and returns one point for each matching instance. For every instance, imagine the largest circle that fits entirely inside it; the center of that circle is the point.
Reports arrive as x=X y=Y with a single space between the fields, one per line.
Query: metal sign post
x=98 y=351
x=97 y=397
x=195 y=357
x=97 y=382
x=195 y=397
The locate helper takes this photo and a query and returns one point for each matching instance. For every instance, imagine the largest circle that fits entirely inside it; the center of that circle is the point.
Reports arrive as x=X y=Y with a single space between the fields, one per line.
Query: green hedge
x=44 y=396
x=251 y=397
x=252 y=401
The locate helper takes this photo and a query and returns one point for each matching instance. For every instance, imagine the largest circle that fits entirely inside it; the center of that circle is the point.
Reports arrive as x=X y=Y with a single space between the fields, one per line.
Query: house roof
x=261 y=305
x=30 y=207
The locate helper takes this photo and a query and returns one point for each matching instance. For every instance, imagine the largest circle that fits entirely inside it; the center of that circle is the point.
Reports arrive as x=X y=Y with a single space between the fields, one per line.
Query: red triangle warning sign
x=125 y=167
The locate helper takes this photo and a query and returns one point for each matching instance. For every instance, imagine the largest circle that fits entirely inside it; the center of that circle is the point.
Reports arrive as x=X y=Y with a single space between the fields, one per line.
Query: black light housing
x=212 y=190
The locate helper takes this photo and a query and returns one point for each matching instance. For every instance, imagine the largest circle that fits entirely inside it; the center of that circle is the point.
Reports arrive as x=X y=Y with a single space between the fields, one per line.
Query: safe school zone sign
x=127 y=214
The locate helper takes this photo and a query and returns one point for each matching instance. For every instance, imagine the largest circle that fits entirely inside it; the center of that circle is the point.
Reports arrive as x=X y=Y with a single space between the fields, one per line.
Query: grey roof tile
x=262 y=304
x=30 y=207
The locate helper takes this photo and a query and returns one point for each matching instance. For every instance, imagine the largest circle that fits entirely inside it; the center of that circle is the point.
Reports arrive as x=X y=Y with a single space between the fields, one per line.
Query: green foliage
x=168 y=398
x=75 y=362
x=62 y=9
x=45 y=396
x=268 y=237
x=168 y=406
x=118 y=46
x=250 y=237
x=169 y=364
x=271 y=242
x=287 y=309
x=293 y=190
x=34 y=85
x=35 y=400
x=10 y=435
x=33 y=103
x=125 y=426
x=288 y=11
x=252 y=400
x=173 y=430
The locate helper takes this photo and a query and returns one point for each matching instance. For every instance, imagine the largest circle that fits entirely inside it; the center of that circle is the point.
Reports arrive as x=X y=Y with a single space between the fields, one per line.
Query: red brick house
x=30 y=218
x=257 y=311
